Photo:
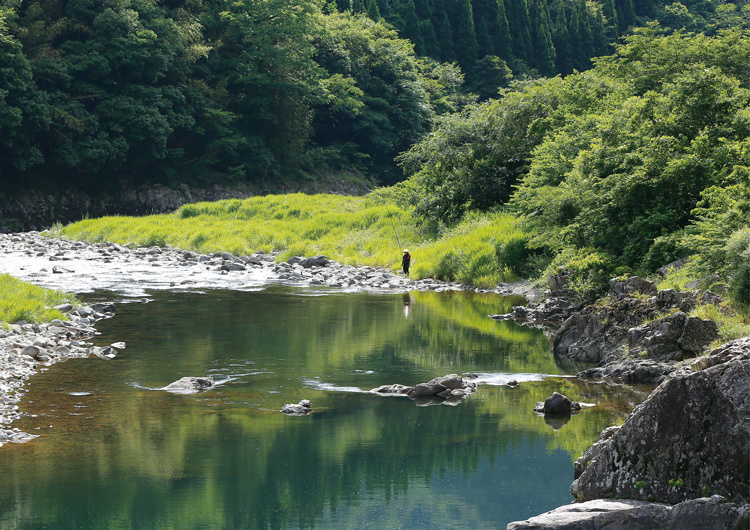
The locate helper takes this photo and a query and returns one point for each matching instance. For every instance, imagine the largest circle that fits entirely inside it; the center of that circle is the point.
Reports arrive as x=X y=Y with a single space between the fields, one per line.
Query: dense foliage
x=95 y=94
x=493 y=40
x=607 y=166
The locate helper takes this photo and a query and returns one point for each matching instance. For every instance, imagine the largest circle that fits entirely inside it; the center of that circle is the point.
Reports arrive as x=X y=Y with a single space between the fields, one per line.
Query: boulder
x=315 y=261
x=689 y=438
x=622 y=514
x=557 y=404
x=633 y=285
x=297 y=409
x=189 y=385
x=427 y=389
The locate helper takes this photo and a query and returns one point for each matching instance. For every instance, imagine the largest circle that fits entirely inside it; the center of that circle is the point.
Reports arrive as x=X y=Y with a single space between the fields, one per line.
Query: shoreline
x=129 y=271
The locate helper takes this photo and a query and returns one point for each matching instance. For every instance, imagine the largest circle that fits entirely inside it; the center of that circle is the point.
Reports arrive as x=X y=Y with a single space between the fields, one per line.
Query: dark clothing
x=405 y=262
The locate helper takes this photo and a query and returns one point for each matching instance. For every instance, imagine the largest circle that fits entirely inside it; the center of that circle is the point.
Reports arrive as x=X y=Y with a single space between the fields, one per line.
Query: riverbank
x=681 y=459
x=131 y=271
x=81 y=267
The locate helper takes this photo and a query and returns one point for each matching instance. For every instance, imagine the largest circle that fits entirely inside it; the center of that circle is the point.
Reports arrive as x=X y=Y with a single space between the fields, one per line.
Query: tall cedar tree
x=561 y=40
x=502 y=38
x=544 y=51
x=585 y=44
x=611 y=23
x=517 y=12
x=410 y=29
x=465 y=40
x=445 y=37
x=373 y=11
x=431 y=44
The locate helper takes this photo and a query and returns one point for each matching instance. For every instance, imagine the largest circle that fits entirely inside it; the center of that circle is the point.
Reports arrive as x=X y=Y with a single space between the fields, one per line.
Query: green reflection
x=124 y=456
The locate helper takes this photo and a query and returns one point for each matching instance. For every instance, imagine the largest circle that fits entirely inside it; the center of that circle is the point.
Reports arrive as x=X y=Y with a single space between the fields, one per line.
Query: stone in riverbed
x=297 y=409
x=557 y=404
x=189 y=385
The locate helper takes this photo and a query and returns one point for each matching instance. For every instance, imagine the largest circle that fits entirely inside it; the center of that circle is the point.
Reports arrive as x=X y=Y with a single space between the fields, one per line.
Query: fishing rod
x=395 y=233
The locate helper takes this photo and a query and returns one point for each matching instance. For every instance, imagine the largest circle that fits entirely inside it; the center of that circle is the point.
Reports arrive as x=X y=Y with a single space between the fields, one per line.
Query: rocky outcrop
x=687 y=440
x=189 y=385
x=448 y=389
x=622 y=514
x=636 y=339
x=36 y=209
x=297 y=409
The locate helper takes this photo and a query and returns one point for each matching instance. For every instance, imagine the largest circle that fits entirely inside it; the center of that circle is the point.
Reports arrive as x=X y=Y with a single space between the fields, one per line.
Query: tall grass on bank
x=369 y=230
x=22 y=301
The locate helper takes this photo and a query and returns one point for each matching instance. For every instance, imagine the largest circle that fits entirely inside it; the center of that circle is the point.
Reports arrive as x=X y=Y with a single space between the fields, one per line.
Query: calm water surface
x=115 y=452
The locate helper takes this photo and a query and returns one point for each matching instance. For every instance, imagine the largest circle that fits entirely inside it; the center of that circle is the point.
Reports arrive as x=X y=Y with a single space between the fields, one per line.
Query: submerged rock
x=189 y=385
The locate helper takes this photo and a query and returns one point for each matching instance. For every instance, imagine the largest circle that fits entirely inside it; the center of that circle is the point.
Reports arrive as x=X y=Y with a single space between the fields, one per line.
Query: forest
x=617 y=132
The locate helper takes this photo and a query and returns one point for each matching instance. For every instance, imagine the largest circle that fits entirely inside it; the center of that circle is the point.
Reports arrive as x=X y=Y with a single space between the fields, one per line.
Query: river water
x=116 y=452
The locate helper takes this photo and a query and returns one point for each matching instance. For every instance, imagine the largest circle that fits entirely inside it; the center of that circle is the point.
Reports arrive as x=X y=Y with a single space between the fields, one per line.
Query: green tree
x=411 y=29
x=544 y=50
x=502 y=37
x=465 y=41
x=562 y=42
x=517 y=12
x=445 y=36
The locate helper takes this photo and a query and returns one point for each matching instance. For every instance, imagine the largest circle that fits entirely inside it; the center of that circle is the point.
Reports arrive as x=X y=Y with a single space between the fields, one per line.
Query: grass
x=23 y=301
x=370 y=230
x=732 y=323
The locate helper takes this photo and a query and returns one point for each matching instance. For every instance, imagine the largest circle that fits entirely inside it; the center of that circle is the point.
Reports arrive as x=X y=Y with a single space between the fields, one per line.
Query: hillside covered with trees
x=103 y=94
x=621 y=148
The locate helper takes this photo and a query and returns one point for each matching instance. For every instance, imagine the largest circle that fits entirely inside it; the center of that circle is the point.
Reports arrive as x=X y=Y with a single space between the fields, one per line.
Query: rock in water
x=297 y=409
x=189 y=385
x=620 y=514
x=687 y=440
x=557 y=404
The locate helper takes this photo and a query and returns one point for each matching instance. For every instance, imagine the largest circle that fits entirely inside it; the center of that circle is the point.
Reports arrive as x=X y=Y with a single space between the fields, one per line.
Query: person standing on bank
x=406 y=261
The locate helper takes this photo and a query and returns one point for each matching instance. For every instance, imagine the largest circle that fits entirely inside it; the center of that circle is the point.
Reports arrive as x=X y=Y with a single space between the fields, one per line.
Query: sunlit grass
x=369 y=230
x=23 y=301
x=732 y=323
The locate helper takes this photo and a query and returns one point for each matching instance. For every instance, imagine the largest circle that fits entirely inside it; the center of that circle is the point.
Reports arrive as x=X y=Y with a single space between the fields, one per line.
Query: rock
x=427 y=389
x=630 y=371
x=633 y=285
x=699 y=514
x=315 y=261
x=393 y=389
x=675 y=265
x=232 y=266
x=446 y=390
x=557 y=404
x=64 y=308
x=297 y=409
x=688 y=438
x=189 y=385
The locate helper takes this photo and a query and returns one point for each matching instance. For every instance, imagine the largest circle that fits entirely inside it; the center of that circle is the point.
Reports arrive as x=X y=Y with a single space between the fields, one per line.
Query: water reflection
x=116 y=454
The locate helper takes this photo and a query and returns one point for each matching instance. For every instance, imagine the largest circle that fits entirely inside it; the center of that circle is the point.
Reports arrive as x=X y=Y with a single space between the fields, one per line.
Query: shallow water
x=115 y=452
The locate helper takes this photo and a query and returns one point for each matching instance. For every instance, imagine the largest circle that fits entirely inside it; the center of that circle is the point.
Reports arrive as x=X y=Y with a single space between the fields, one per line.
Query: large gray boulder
x=700 y=514
x=687 y=440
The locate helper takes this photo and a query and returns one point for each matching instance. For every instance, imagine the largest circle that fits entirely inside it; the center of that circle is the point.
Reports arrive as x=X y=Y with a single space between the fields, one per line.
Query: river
x=116 y=452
